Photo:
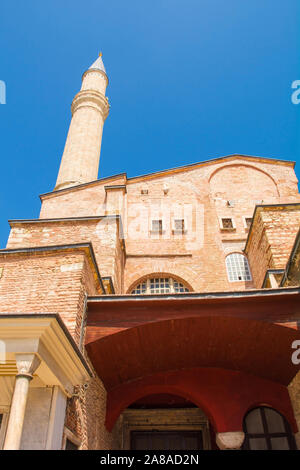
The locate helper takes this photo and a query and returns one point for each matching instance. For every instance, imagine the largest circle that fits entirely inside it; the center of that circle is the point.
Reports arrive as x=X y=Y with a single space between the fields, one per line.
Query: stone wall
x=294 y=391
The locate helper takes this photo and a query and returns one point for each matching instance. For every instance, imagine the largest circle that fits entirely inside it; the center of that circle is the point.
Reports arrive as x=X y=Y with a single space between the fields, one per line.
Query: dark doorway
x=166 y=440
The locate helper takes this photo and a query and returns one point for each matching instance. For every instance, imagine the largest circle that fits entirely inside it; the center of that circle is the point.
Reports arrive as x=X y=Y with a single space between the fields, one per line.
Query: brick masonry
x=271 y=240
x=202 y=194
x=103 y=233
x=47 y=282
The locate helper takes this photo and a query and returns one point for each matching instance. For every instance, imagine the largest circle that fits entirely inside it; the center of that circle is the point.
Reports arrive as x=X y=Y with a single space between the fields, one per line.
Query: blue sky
x=189 y=80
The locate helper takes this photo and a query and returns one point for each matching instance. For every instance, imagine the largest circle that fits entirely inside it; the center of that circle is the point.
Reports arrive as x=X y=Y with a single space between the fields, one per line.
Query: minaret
x=80 y=160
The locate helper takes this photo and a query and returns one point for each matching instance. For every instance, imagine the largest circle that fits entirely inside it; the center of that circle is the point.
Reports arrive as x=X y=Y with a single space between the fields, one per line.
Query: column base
x=230 y=440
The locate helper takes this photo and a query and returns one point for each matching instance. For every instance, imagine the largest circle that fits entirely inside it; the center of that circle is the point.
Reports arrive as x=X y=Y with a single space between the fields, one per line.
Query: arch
x=270 y=403
x=185 y=272
x=159 y=275
x=162 y=400
x=244 y=165
x=235 y=186
x=114 y=410
x=208 y=389
x=200 y=341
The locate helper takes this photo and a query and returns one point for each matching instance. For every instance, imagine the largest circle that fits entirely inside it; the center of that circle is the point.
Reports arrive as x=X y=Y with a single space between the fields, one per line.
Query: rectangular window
x=179 y=226
x=157 y=226
x=227 y=223
x=247 y=222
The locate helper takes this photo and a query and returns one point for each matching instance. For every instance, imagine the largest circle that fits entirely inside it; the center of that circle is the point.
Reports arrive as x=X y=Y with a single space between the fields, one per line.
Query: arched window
x=159 y=285
x=266 y=429
x=237 y=267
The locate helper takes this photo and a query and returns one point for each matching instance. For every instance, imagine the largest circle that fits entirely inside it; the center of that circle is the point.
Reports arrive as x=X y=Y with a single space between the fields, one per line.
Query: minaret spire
x=98 y=64
x=90 y=108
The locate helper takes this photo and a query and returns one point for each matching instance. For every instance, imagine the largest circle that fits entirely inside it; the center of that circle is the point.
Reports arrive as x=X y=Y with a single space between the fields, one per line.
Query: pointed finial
x=98 y=64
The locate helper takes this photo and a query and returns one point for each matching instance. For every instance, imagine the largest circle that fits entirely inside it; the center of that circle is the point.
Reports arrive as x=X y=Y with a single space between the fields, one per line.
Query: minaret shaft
x=80 y=160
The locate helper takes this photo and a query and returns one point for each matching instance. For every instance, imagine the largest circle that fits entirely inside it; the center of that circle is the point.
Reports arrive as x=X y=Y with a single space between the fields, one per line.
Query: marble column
x=26 y=365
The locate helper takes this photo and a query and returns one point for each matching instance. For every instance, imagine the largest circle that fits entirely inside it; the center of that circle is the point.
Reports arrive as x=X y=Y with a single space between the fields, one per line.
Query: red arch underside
x=224 y=364
x=224 y=396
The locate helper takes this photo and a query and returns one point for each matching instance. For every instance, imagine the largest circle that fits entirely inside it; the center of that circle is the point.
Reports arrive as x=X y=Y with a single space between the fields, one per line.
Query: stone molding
x=34 y=338
x=92 y=99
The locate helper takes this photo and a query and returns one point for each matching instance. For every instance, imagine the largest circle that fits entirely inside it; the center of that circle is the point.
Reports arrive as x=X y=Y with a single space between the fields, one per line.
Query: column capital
x=27 y=364
x=230 y=440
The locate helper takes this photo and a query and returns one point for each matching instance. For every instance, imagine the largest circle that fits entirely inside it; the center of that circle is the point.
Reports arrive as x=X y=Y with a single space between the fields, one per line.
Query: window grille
x=140 y=288
x=157 y=226
x=179 y=287
x=227 y=223
x=238 y=268
x=159 y=285
x=266 y=429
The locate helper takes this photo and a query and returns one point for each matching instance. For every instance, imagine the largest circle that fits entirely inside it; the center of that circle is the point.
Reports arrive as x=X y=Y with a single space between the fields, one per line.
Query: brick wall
x=271 y=239
x=48 y=282
x=57 y=281
x=84 y=201
x=102 y=233
x=85 y=417
x=200 y=194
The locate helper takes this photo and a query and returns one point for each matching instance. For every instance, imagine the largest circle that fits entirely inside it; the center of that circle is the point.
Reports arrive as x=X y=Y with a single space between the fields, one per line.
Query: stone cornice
x=116 y=217
x=87 y=248
x=116 y=187
x=195 y=296
x=170 y=171
x=92 y=99
x=213 y=161
x=13 y=222
x=46 y=336
x=83 y=186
